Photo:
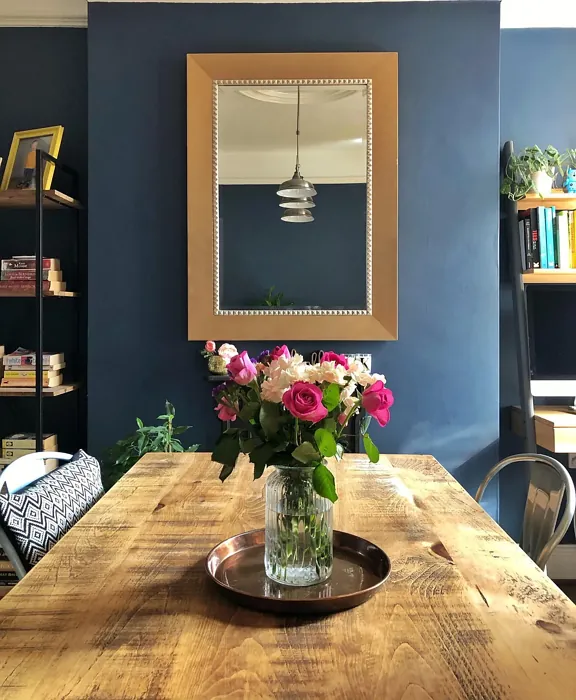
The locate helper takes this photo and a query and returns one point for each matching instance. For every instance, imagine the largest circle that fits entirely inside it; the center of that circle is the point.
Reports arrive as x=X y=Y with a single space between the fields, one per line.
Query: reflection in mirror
x=305 y=251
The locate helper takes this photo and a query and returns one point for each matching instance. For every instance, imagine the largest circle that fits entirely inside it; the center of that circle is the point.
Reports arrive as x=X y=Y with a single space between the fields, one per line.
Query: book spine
x=47 y=264
x=27 y=360
x=28 y=374
x=522 y=244
x=528 y=243
x=543 y=244
x=535 y=242
x=30 y=275
x=549 y=237
x=31 y=381
x=48 y=444
x=572 y=237
x=563 y=241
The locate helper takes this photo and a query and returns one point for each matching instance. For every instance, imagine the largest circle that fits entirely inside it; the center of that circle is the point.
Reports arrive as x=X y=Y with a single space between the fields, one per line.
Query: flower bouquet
x=218 y=359
x=291 y=415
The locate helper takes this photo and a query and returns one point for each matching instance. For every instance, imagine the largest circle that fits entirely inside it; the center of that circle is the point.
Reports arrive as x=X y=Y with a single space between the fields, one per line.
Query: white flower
x=330 y=372
x=360 y=374
x=347 y=395
x=272 y=390
x=227 y=351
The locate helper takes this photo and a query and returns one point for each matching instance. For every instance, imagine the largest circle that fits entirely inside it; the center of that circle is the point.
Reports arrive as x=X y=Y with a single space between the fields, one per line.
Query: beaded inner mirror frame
x=206 y=74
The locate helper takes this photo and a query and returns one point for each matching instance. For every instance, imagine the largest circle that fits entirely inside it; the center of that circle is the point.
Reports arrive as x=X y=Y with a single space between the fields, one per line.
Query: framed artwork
x=20 y=171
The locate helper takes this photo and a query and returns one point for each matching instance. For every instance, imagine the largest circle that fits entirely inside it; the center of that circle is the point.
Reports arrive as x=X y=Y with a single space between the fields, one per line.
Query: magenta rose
x=225 y=412
x=377 y=400
x=335 y=358
x=280 y=351
x=304 y=401
x=242 y=369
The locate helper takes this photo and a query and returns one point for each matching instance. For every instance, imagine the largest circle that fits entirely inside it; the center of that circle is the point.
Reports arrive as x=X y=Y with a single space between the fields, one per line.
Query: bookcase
x=42 y=203
x=550 y=427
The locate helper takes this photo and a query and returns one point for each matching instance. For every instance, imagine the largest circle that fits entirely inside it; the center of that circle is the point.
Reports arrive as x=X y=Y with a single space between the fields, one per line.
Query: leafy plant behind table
x=289 y=413
x=517 y=180
x=272 y=299
x=155 y=438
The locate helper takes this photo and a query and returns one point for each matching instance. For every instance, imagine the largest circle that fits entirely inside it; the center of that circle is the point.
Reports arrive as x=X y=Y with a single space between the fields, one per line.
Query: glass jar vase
x=298 y=550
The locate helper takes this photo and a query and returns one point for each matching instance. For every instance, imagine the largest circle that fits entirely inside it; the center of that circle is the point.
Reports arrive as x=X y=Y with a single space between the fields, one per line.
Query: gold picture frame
x=205 y=72
x=16 y=173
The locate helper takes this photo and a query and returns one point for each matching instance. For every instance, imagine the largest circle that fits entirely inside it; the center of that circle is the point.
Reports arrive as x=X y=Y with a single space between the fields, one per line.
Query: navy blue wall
x=44 y=84
x=251 y=232
x=542 y=112
x=444 y=368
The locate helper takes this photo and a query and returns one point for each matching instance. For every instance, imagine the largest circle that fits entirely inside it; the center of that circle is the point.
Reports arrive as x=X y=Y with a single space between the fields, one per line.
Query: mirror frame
x=379 y=321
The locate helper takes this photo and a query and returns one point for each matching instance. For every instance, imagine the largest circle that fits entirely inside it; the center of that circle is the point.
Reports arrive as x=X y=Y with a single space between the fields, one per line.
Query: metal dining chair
x=541 y=532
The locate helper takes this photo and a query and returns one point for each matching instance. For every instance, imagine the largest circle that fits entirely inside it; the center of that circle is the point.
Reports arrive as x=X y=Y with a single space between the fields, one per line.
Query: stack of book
x=547 y=238
x=18 y=276
x=20 y=444
x=20 y=369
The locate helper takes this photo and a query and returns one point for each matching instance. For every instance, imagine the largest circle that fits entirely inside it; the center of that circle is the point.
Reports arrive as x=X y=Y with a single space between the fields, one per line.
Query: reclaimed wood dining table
x=121 y=607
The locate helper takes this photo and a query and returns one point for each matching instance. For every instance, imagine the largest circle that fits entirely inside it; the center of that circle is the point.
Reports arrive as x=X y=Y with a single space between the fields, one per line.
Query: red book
x=30 y=264
x=30 y=275
x=19 y=287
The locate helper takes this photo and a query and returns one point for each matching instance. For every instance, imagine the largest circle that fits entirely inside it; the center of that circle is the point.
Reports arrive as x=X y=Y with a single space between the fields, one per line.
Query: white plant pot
x=542 y=183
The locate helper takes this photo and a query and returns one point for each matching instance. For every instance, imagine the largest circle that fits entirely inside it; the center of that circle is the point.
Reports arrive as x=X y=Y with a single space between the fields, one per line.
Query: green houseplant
x=533 y=168
x=154 y=438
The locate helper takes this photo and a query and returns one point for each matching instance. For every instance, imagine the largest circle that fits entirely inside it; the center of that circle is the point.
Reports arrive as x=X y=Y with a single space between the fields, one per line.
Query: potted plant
x=291 y=415
x=532 y=169
x=274 y=300
x=154 y=438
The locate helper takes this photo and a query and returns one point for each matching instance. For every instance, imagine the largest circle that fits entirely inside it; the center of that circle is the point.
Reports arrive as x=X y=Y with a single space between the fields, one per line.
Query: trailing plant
x=153 y=438
x=517 y=180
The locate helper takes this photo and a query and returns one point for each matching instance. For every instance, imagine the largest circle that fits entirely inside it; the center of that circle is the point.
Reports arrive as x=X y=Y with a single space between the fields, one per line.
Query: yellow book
x=30 y=373
x=31 y=381
x=572 y=237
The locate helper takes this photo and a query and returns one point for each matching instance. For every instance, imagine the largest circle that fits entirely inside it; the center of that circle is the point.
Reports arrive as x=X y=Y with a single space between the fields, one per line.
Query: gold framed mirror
x=313 y=258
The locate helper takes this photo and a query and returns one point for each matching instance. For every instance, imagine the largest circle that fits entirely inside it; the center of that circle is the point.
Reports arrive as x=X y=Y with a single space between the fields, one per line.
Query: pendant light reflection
x=297 y=216
x=297 y=192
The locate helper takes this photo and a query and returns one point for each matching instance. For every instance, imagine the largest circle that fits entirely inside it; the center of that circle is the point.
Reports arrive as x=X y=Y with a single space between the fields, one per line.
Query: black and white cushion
x=36 y=517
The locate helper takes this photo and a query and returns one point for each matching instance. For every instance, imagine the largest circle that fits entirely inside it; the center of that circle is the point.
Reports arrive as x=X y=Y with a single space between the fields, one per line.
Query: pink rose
x=210 y=346
x=242 y=369
x=335 y=358
x=280 y=351
x=225 y=412
x=304 y=401
x=377 y=400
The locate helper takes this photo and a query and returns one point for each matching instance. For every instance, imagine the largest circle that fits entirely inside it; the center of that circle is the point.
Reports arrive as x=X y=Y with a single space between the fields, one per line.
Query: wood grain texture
x=382 y=69
x=555 y=427
x=122 y=608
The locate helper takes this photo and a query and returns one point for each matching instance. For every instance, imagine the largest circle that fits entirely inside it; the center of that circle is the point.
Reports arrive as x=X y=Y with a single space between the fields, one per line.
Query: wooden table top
x=122 y=608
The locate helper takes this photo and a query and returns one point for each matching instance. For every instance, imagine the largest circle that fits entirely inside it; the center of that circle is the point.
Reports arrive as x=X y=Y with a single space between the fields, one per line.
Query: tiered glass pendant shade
x=297 y=192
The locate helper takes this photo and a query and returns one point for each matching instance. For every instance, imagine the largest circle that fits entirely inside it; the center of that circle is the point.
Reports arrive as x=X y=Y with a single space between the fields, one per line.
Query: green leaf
x=258 y=470
x=326 y=442
x=225 y=472
x=176 y=446
x=331 y=396
x=371 y=449
x=324 y=484
x=163 y=417
x=226 y=450
x=306 y=453
x=139 y=423
x=329 y=424
x=270 y=418
x=170 y=409
x=180 y=429
x=365 y=424
x=249 y=410
x=249 y=444
x=261 y=457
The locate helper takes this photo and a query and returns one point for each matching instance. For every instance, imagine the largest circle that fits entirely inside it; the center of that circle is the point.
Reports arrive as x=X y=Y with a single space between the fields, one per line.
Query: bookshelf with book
x=41 y=253
x=541 y=235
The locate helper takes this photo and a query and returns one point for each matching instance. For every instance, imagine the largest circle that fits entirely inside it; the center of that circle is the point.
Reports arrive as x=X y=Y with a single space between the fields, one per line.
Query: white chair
x=24 y=470
x=541 y=532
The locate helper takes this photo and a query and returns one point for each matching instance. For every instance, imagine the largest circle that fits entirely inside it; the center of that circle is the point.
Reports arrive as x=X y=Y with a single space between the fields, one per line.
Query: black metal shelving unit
x=42 y=200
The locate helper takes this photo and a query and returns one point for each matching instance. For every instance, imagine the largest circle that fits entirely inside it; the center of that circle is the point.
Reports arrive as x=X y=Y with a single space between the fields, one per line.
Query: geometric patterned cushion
x=36 y=518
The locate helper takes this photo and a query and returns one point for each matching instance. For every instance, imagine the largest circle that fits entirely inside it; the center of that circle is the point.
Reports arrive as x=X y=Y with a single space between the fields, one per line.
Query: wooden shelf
x=555 y=427
x=558 y=199
x=26 y=199
x=549 y=277
x=30 y=391
x=4 y=294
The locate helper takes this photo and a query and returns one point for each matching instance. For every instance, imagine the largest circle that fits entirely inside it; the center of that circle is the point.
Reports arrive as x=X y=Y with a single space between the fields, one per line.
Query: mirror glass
x=268 y=264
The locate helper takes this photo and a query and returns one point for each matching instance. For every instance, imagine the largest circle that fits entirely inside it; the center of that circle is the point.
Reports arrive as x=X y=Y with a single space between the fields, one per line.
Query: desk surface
x=122 y=608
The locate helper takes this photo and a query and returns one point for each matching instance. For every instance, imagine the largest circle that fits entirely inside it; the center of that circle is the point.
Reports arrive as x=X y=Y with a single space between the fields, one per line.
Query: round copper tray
x=237 y=566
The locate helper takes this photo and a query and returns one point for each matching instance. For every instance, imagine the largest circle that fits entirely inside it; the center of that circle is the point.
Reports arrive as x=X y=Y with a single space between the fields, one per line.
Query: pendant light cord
x=298 y=132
